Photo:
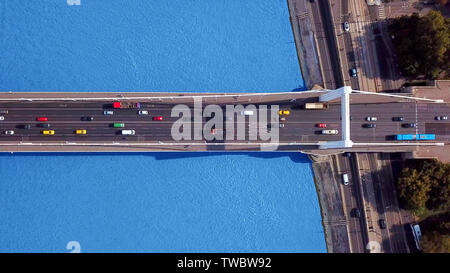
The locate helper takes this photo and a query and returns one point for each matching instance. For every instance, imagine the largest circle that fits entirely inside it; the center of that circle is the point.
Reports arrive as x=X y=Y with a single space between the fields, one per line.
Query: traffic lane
x=350 y=203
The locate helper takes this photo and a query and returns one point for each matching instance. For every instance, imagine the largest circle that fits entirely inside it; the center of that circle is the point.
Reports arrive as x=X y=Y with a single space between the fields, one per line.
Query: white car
x=346 y=26
x=330 y=132
x=128 y=132
x=108 y=112
x=9 y=132
x=371 y=118
x=143 y=112
x=2 y=118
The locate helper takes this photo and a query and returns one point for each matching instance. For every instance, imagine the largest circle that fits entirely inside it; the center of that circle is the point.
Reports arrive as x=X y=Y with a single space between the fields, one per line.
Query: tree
x=425 y=184
x=436 y=233
x=422 y=44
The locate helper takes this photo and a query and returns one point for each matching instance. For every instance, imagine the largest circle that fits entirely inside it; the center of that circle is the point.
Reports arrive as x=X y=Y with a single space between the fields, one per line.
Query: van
x=345 y=178
x=128 y=132
x=247 y=113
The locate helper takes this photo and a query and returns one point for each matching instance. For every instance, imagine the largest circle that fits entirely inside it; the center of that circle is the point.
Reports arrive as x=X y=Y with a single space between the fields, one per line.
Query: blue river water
x=157 y=202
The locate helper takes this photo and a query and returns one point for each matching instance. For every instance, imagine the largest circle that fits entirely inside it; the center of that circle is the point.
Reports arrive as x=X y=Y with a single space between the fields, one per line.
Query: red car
x=322 y=125
x=42 y=119
x=159 y=118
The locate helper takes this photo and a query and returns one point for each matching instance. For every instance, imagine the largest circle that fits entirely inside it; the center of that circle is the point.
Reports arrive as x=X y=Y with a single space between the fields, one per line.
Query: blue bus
x=416 y=137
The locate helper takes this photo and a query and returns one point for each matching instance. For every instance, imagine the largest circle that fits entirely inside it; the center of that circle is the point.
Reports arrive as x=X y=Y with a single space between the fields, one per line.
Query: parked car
x=369 y=125
x=397 y=119
x=330 y=132
x=409 y=125
x=43 y=125
x=356 y=213
x=346 y=26
x=321 y=125
x=41 y=118
x=9 y=132
x=353 y=72
x=158 y=118
x=143 y=112
x=108 y=112
x=88 y=118
x=371 y=118
x=382 y=223
x=441 y=118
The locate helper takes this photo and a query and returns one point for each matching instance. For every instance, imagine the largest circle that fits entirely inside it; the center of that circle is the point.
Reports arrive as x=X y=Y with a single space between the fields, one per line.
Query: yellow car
x=284 y=112
x=48 y=132
x=80 y=132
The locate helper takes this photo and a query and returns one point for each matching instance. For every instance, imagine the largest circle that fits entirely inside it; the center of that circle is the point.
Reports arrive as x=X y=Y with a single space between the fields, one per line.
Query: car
x=353 y=72
x=347 y=154
x=282 y=119
x=369 y=125
x=143 y=112
x=41 y=118
x=330 y=132
x=3 y=111
x=88 y=118
x=397 y=119
x=9 y=132
x=321 y=125
x=284 y=112
x=48 y=132
x=2 y=118
x=382 y=223
x=80 y=132
x=345 y=179
x=409 y=125
x=247 y=113
x=27 y=126
x=371 y=118
x=281 y=125
x=128 y=132
x=215 y=131
x=108 y=112
x=43 y=125
x=158 y=118
x=118 y=125
x=356 y=213
x=441 y=118
x=346 y=26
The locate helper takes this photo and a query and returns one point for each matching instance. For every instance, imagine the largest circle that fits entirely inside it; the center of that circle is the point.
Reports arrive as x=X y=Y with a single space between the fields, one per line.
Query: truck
x=120 y=104
x=313 y=105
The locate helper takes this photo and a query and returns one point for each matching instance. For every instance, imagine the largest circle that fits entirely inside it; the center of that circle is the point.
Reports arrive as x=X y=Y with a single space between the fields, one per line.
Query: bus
x=417 y=234
x=416 y=137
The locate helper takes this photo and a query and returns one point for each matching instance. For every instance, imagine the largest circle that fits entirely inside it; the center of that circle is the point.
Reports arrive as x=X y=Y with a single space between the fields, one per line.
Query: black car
x=87 y=118
x=409 y=125
x=26 y=126
x=369 y=125
x=356 y=213
x=382 y=223
x=43 y=125
x=397 y=119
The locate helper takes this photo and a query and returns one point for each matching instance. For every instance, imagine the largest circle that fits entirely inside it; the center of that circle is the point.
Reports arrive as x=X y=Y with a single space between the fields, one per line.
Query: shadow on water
x=294 y=156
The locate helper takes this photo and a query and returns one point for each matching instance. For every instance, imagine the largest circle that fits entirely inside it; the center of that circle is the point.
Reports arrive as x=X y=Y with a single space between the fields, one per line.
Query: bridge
x=190 y=121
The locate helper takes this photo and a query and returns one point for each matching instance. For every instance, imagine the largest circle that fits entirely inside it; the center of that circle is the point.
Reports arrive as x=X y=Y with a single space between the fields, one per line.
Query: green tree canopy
x=422 y=44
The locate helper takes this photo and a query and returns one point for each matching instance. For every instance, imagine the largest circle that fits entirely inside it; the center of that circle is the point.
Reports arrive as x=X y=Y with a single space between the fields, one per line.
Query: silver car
x=108 y=112
x=143 y=112
x=9 y=132
x=346 y=26
x=371 y=118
